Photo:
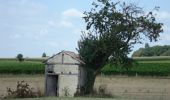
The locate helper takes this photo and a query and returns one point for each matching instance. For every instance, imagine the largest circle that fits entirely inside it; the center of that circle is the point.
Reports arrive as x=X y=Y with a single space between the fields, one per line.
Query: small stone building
x=64 y=75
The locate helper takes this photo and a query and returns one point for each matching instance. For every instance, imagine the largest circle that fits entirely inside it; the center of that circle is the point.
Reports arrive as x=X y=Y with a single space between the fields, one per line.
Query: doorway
x=52 y=85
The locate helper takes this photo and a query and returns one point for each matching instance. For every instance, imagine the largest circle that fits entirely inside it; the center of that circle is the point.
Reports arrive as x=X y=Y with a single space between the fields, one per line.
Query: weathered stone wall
x=68 y=85
x=65 y=69
x=62 y=58
x=55 y=59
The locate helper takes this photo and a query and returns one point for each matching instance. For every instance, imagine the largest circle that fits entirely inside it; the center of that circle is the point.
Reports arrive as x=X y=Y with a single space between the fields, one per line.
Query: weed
x=23 y=90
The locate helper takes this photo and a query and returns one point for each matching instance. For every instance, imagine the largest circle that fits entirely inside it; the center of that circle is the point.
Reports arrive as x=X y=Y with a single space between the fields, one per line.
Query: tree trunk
x=91 y=76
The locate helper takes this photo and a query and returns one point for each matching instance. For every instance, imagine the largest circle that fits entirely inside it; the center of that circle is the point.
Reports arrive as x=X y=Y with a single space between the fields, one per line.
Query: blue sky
x=32 y=27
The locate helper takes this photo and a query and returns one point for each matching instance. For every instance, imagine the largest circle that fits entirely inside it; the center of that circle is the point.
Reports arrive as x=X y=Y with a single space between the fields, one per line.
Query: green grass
x=25 y=67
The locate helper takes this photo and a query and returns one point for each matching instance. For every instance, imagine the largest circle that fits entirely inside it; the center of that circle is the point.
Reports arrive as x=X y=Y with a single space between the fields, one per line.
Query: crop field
x=142 y=68
x=155 y=58
x=25 y=67
x=145 y=66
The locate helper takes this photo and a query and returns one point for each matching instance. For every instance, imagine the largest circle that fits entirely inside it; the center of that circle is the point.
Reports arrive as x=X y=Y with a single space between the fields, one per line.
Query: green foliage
x=23 y=90
x=138 y=53
x=147 y=68
x=113 y=29
x=167 y=53
x=147 y=45
x=155 y=58
x=26 y=67
x=20 y=57
x=44 y=55
x=152 y=51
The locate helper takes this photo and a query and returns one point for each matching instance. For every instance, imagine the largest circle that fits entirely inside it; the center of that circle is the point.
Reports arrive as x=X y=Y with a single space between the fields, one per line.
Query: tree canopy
x=113 y=29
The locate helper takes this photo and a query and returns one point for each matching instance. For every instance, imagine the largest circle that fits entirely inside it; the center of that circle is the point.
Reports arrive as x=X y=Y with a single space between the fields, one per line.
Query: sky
x=32 y=27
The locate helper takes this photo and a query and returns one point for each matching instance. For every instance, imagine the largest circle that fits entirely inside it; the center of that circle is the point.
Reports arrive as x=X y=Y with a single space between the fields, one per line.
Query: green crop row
x=143 y=69
x=154 y=58
x=35 y=66
x=25 y=67
x=25 y=59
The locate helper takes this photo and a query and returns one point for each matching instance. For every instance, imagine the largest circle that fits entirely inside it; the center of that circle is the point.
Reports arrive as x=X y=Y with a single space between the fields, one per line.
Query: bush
x=23 y=90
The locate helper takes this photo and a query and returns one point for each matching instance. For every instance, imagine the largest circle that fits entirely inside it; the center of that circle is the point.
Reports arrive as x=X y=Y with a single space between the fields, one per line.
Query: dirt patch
x=138 y=88
x=35 y=81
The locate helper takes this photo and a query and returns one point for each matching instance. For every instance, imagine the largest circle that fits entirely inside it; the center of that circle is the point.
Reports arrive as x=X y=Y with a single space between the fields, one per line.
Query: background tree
x=113 y=29
x=44 y=55
x=20 y=57
x=152 y=51
x=147 y=45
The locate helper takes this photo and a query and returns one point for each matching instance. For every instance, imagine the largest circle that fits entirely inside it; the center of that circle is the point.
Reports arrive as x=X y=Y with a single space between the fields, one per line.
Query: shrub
x=23 y=90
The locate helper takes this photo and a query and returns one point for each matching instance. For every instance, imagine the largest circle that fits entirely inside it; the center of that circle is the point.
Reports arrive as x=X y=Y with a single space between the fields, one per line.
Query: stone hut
x=64 y=75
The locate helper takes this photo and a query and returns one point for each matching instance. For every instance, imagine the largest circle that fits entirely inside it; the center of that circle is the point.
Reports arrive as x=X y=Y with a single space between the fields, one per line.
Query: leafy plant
x=23 y=90
x=66 y=91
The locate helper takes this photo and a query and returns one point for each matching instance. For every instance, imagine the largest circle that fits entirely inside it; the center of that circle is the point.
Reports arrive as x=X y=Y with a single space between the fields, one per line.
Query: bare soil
x=138 y=88
x=10 y=81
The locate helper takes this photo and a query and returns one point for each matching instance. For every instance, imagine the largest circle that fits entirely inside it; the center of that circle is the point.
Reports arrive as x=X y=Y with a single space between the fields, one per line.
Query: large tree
x=113 y=29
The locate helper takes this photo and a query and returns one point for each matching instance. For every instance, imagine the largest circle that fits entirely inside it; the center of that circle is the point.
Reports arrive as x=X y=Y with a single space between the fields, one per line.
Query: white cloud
x=166 y=28
x=67 y=19
x=61 y=24
x=72 y=13
x=15 y=36
x=166 y=36
x=21 y=8
x=43 y=31
x=53 y=44
x=77 y=31
x=65 y=23
x=163 y=15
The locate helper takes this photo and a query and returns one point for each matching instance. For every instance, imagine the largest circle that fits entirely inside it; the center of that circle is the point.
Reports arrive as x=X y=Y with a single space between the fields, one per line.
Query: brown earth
x=139 y=88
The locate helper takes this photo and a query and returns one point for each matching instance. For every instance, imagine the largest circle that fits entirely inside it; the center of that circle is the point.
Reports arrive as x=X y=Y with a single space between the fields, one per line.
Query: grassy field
x=122 y=88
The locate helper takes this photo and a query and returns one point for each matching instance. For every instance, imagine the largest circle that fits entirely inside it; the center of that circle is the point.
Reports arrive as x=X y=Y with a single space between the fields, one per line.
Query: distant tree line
x=152 y=51
x=20 y=56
